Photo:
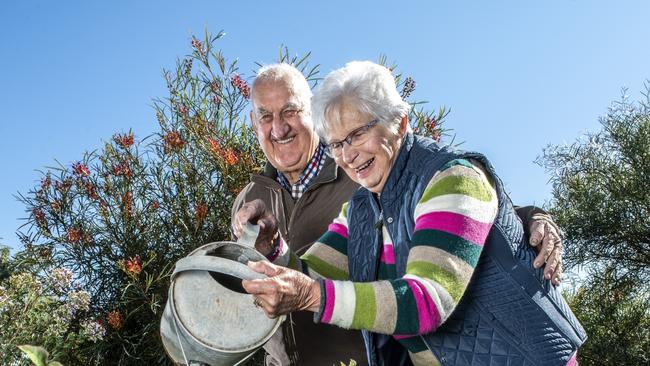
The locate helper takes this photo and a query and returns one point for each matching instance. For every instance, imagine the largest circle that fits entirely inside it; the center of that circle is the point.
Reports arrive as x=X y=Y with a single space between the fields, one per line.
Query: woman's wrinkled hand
x=256 y=213
x=546 y=234
x=285 y=290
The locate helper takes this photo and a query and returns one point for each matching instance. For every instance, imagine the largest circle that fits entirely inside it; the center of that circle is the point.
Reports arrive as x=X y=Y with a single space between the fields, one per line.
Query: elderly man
x=304 y=189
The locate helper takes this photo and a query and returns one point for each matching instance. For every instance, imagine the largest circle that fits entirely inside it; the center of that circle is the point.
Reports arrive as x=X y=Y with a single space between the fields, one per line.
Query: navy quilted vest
x=509 y=314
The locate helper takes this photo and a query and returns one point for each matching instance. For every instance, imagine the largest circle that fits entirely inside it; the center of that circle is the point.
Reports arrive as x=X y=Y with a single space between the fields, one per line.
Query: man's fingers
x=557 y=275
x=552 y=263
x=537 y=231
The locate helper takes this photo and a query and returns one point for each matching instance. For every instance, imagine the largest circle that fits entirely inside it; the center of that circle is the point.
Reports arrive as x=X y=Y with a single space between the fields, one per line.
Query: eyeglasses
x=355 y=138
x=286 y=114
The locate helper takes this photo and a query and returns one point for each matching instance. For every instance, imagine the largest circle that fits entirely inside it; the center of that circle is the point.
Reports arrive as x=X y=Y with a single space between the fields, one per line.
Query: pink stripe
x=329 y=302
x=427 y=310
x=339 y=229
x=277 y=252
x=402 y=336
x=573 y=361
x=456 y=224
x=388 y=256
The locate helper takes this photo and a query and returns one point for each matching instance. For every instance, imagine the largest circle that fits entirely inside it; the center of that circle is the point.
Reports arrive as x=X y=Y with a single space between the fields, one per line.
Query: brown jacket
x=301 y=223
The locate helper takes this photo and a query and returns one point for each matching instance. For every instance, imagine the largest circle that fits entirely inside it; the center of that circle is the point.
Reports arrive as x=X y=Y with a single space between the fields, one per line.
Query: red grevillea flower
x=173 y=141
x=62 y=187
x=127 y=203
x=237 y=82
x=122 y=169
x=123 y=140
x=197 y=45
x=81 y=169
x=133 y=265
x=39 y=216
x=75 y=235
x=92 y=190
x=115 y=319
x=45 y=183
x=202 y=211
x=155 y=205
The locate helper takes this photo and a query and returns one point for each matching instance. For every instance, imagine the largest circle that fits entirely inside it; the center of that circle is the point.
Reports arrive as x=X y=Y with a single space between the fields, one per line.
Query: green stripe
x=458 y=184
x=344 y=210
x=366 y=306
x=294 y=262
x=455 y=162
x=452 y=244
x=414 y=344
x=408 y=321
x=434 y=272
x=335 y=241
x=324 y=269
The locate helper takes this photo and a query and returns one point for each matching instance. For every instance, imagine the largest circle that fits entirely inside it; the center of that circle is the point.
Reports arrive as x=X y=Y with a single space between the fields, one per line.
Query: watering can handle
x=216 y=264
x=249 y=235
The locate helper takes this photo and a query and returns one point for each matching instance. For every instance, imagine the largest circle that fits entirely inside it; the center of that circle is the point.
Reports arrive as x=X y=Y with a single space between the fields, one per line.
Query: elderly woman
x=428 y=258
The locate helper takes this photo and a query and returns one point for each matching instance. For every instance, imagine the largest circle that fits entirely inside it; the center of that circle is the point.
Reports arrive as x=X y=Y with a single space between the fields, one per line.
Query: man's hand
x=284 y=291
x=255 y=212
x=546 y=234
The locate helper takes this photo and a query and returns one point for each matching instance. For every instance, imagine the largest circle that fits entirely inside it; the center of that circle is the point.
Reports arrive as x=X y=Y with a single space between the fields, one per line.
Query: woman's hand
x=256 y=213
x=284 y=291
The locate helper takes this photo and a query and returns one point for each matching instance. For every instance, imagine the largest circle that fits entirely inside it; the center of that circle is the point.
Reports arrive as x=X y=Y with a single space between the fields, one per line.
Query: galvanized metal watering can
x=209 y=319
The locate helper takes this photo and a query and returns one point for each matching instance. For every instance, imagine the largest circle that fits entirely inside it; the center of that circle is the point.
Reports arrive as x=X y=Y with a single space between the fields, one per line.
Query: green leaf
x=55 y=363
x=38 y=355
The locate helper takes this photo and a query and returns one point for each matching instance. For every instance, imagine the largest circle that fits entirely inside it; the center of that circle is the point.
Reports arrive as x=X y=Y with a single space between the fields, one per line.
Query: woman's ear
x=403 y=125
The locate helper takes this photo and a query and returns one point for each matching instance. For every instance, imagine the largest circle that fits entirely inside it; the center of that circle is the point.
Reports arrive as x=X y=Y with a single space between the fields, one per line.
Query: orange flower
x=115 y=319
x=230 y=157
x=133 y=265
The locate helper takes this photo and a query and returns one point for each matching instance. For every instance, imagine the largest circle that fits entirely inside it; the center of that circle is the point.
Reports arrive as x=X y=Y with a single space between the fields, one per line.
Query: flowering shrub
x=49 y=310
x=119 y=218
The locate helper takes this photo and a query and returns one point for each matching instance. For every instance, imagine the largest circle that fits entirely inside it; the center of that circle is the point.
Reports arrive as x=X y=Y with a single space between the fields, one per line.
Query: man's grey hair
x=370 y=85
x=289 y=74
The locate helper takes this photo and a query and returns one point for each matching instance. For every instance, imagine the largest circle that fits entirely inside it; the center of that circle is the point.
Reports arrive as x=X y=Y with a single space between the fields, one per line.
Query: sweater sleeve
x=326 y=258
x=452 y=220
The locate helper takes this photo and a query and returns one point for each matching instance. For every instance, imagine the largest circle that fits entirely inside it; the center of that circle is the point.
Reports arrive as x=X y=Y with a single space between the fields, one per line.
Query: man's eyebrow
x=262 y=110
x=291 y=105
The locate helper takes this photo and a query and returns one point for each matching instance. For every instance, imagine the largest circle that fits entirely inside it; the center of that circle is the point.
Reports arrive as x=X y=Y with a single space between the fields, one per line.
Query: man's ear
x=253 y=122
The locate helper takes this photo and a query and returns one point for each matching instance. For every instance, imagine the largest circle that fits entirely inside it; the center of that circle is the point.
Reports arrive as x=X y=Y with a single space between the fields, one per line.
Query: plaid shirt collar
x=308 y=175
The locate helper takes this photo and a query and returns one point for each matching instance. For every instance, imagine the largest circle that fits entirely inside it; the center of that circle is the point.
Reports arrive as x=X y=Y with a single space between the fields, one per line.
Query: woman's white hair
x=370 y=85
x=289 y=74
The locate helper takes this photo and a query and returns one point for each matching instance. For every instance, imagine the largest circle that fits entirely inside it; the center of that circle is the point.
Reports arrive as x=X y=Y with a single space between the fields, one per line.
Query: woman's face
x=369 y=163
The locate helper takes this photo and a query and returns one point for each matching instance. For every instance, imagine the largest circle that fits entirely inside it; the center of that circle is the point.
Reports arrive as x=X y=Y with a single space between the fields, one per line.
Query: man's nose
x=280 y=127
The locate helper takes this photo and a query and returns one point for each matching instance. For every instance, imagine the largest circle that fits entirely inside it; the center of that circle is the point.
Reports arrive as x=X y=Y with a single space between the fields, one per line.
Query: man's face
x=284 y=130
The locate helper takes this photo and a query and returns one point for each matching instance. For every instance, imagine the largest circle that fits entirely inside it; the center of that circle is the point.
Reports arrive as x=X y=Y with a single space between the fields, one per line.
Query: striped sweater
x=452 y=220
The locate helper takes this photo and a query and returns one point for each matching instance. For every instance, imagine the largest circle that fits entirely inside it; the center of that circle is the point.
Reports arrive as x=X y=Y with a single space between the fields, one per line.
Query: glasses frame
x=339 y=144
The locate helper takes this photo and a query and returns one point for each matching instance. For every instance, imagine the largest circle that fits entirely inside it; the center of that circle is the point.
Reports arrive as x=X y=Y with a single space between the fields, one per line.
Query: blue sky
x=517 y=75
